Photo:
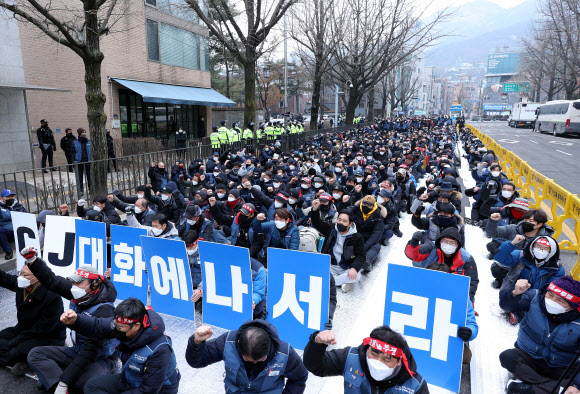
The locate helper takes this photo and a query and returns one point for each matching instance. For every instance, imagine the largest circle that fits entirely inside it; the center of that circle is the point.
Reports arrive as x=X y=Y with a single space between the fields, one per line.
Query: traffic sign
x=511 y=87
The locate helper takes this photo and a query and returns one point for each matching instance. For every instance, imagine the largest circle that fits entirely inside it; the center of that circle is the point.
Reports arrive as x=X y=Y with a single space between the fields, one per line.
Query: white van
x=523 y=115
x=559 y=117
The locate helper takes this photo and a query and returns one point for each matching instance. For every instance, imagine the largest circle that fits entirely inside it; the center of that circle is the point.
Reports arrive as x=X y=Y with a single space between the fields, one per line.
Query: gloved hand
x=421 y=190
x=130 y=209
x=464 y=333
x=417 y=235
x=82 y=202
x=62 y=388
x=419 y=210
x=490 y=201
x=116 y=192
x=29 y=254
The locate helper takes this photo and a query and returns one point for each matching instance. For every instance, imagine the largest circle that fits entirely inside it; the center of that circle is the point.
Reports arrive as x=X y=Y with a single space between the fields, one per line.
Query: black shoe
x=516 y=386
x=45 y=171
x=54 y=169
x=9 y=255
x=496 y=284
x=385 y=242
x=398 y=233
x=19 y=369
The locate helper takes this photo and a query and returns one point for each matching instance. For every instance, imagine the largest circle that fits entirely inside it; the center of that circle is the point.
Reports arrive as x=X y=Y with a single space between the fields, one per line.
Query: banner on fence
x=91 y=244
x=227 y=285
x=60 y=244
x=25 y=234
x=128 y=269
x=298 y=293
x=427 y=307
x=169 y=276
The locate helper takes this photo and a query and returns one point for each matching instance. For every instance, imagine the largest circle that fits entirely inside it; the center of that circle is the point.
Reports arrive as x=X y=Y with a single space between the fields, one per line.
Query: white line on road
x=561 y=143
x=533 y=142
x=569 y=154
x=507 y=141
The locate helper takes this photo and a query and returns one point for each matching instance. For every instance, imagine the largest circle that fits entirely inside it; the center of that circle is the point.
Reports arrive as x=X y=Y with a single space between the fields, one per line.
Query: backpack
x=310 y=240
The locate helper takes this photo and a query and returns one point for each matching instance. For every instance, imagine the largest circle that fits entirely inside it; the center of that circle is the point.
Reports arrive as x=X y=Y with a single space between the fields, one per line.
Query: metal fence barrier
x=37 y=190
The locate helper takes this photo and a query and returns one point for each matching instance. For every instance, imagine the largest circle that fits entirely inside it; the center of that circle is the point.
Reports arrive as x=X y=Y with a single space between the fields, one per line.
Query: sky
x=507 y=4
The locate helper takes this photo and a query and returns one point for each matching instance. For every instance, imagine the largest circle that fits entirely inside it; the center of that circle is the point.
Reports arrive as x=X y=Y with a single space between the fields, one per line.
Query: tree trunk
x=351 y=105
x=95 y=99
x=371 y=110
x=250 y=85
x=227 y=79
x=315 y=97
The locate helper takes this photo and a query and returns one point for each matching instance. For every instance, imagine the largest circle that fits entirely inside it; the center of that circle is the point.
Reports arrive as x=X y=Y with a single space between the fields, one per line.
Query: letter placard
x=25 y=234
x=227 y=285
x=60 y=244
x=128 y=268
x=91 y=240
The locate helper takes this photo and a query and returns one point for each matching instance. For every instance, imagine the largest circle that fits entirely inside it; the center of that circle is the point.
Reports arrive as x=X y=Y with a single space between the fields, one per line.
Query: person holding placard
x=8 y=204
x=90 y=294
x=383 y=363
x=280 y=232
x=160 y=226
x=38 y=311
x=256 y=359
x=147 y=354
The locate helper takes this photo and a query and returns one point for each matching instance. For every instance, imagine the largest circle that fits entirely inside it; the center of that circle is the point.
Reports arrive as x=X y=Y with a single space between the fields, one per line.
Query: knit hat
x=43 y=214
x=568 y=289
x=191 y=211
x=235 y=193
x=202 y=194
x=446 y=187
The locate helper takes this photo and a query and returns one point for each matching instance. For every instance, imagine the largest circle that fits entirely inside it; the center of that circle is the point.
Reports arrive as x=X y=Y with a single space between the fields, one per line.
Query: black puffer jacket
x=67 y=144
x=372 y=228
x=62 y=286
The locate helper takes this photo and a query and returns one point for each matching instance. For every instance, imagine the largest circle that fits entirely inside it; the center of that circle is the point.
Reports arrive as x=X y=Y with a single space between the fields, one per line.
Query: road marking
x=509 y=141
x=561 y=143
x=534 y=142
x=569 y=154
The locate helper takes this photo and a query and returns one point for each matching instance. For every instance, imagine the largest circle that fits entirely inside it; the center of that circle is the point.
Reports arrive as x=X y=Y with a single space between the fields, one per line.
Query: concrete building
x=155 y=75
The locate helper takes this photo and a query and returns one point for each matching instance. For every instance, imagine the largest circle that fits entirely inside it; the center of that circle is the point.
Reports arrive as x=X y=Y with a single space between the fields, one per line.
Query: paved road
x=555 y=157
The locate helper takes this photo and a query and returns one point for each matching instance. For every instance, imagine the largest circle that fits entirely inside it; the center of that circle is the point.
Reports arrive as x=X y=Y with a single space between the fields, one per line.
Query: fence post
x=78 y=179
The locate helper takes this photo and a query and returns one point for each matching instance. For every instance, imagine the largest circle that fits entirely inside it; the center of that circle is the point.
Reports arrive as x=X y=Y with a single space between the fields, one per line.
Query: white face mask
x=336 y=196
x=291 y=201
x=280 y=225
x=540 y=254
x=318 y=185
x=495 y=174
x=140 y=195
x=156 y=231
x=316 y=160
x=380 y=200
x=191 y=222
x=221 y=195
x=291 y=167
x=276 y=184
x=308 y=165
x=327 y=179
x=23 y=282
x=382 y=153
x=164 y=197
x=138 y=210
x=216 y=173
x=278 y=204
x=194 y=182
x=275 y=157
x=98 y=209
x=378 y=370
x=359 y=180
x=304 y=186
x=359 y=158
x=506 y=194
x=369 y=157
x=553 y=308
x=338 y=170
x=77 y=292
x=448 y=249
x=231 y=199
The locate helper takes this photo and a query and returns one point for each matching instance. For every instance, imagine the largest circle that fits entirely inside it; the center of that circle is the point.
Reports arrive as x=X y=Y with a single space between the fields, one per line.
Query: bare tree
x=259 y=17
x=380 y=35
x=316 y=28
x=79 y=27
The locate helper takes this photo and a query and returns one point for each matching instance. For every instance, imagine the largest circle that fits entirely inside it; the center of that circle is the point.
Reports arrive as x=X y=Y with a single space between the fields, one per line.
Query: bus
x=523 y=115
x=558 y=117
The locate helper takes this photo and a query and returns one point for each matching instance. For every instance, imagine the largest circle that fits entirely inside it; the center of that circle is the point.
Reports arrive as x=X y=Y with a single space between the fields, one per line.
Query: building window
x=151 y=2
x=152 y=40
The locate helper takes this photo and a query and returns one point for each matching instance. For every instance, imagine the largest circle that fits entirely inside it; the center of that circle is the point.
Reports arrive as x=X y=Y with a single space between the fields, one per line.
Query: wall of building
x=14 y=137
x=47 y=63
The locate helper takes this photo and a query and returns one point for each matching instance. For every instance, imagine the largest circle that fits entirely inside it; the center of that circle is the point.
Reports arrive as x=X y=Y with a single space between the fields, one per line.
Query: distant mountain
x=478 y=28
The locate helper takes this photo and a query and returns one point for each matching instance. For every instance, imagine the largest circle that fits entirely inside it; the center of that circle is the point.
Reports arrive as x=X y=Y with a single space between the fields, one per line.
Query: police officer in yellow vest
x=277 y=130
x=260 y=133
x=248 y=133
x=235 y=133
x=269 y=131
x=224 y=133
x=214 y=138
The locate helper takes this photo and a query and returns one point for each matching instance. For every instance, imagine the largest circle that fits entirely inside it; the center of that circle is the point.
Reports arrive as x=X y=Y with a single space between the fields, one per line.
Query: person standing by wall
x=47 y=144
x=83 y=157
x=111 y=150
x=67 y=144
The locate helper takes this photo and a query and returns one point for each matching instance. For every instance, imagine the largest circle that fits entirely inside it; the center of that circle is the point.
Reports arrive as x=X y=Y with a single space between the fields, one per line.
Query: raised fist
x=29 y=254
x=211 y=201
x=261 y=217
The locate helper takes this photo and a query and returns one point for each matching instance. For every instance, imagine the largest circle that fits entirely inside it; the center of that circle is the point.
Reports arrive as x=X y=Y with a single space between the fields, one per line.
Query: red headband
x=326 y=198
x=87 y=275
x=125 y=320
x=564 y=294
x=283 y=197
x=246 y=206
x=543 y=241
x=389 y=349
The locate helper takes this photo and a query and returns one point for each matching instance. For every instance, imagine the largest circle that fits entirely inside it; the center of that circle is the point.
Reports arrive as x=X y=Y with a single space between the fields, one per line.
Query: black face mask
x=366 y=210
x=341 y=227
x=446 y=221
x=349 y=187
x=120 y=335
x=161 y=170
x=324 y=208
x=400 y=178
x=197 y=201
x=9 y=202
x=527 y=227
